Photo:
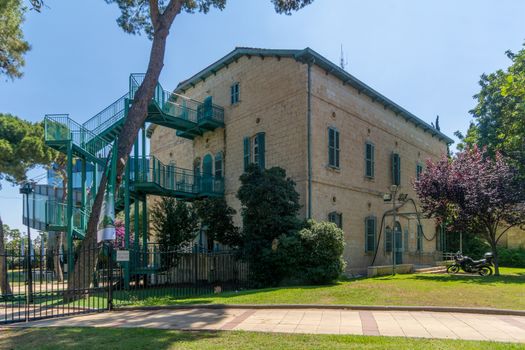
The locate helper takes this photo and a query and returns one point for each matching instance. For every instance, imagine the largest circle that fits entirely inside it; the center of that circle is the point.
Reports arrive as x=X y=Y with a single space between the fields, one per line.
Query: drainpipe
x=309 y=139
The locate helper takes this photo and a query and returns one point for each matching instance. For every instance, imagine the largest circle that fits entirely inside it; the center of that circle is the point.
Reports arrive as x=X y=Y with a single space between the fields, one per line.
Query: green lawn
x=506 y=292
x=136 y=338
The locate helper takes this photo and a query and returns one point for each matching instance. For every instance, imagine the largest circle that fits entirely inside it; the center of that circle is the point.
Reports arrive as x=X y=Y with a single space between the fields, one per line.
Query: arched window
x=207 y=173
x=218 y=165
x=207 y=165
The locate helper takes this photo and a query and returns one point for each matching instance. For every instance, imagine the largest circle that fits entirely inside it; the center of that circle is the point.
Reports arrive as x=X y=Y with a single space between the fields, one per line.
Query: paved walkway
x=315 y=321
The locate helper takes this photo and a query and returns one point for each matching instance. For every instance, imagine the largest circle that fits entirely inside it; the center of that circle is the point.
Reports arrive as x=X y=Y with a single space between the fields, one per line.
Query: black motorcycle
x=483 y=266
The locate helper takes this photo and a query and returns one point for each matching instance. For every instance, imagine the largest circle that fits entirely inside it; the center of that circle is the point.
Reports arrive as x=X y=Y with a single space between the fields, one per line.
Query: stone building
x=343 y=143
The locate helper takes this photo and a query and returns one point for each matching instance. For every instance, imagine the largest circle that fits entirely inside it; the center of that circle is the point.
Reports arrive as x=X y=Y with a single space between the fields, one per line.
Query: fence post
x=110 y=277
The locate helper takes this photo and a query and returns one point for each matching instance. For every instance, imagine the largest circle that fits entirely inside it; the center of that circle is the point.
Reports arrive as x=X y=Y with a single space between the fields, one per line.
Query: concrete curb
x=466 y=310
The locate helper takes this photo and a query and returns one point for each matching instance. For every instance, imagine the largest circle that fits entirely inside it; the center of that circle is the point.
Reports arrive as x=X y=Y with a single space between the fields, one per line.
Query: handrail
x=173 y=178
x=59 y=127
x=108 y=116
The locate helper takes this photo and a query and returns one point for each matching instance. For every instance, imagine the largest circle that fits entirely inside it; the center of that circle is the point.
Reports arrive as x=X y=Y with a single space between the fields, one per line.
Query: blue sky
x=425 y=55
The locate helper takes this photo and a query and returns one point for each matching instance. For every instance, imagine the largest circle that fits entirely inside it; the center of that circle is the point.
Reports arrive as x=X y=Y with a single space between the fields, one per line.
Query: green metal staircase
x=93 y=142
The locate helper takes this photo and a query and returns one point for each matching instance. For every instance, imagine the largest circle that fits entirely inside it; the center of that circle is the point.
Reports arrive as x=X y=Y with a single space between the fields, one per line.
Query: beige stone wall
x=273 y=99
x=514 y=238
x=347 y=190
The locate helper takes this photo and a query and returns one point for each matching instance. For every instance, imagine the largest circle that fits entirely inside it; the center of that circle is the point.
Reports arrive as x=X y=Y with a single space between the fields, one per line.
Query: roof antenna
x=343 y=63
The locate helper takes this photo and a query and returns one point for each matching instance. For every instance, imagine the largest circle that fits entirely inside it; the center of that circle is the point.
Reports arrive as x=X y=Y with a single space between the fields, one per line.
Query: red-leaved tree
x=473 y=192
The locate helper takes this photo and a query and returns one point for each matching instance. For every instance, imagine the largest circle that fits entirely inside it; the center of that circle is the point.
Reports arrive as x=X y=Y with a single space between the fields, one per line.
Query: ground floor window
x=370 y=234
x=419 y=238
x=336 y=218
x=388 y=239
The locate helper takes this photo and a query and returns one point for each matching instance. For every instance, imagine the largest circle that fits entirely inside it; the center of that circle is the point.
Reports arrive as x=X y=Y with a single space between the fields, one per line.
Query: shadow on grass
x=472 y=279
x=97 y=338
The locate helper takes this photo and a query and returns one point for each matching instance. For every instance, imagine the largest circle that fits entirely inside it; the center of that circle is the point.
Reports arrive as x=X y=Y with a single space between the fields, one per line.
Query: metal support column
x=126 y=224
x=69 y=210
x=83 y=193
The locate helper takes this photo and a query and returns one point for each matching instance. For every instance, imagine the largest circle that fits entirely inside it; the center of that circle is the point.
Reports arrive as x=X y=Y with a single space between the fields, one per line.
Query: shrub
x=217 y=216
x=322 y=245
x=269 y=211
x=176 y=226
x=511 y=257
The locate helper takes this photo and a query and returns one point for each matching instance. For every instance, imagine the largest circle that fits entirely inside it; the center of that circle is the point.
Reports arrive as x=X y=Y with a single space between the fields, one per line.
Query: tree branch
x=171 y=11
x=154 y=12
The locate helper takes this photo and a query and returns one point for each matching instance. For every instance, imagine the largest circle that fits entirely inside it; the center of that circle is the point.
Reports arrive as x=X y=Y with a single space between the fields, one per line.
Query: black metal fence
x=119 y=278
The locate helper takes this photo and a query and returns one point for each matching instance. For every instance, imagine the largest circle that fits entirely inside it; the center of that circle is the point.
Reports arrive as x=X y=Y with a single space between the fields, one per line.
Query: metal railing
x=56 y=215
x=108 y=116
x=173 y=178
x=59 y=127
x=40 y=288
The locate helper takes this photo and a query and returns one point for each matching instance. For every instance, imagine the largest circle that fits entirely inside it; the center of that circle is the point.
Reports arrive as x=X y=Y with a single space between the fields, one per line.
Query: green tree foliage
x=174 y=222
x=176 y=226
x=12 y=43
x=475 y=193
x=217 y=217
x=136 y=15
x=321 y=258
x=21 y=148
x=499 y=116
x=270 y=206
x=5 y=288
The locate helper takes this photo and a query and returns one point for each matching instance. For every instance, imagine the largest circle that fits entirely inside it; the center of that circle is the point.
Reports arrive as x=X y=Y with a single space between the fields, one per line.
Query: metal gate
x=35 y=285
x=37 y=289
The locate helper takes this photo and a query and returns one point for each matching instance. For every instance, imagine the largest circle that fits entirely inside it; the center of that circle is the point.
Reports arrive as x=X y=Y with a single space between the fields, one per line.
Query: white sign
x=123 y=255
x=106 y=222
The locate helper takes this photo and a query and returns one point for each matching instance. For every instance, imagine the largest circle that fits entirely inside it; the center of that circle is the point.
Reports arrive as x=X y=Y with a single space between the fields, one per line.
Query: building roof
x=308 y=55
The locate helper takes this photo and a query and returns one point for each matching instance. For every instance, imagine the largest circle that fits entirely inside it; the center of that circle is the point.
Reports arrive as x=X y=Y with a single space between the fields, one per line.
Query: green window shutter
x=396 y=169
x=419 y=247
x=369 y=160
x=388 y=240
x=246 y=153
x=372 y=159
x=419 y=170
x=337 y=148
x=336 y=218
x=370 y=233
x=331 y=147
x=261 y=144
x=405 y=239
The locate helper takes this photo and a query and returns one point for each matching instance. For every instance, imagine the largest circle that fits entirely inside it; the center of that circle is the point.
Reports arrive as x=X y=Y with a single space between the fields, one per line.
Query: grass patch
x=138 y=338
x=505 y=292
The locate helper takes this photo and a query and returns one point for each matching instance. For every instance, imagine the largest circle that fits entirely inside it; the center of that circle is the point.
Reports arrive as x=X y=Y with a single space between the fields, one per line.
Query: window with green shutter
x=370 y=234
x=388 y=239
x=247 y=148
x=419 y=238
x=259 y=156
x=333 y=147
x=234 y=93
x=218 y=165
x=369 y=160
x=396 y=169
x=419 y=170
x=254 y=150
x=336 y=218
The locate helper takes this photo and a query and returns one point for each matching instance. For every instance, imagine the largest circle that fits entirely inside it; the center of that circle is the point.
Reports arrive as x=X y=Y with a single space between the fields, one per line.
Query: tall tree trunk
x=82 y=276
x=60 y=236
x=494 y=247
x=4 y=282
